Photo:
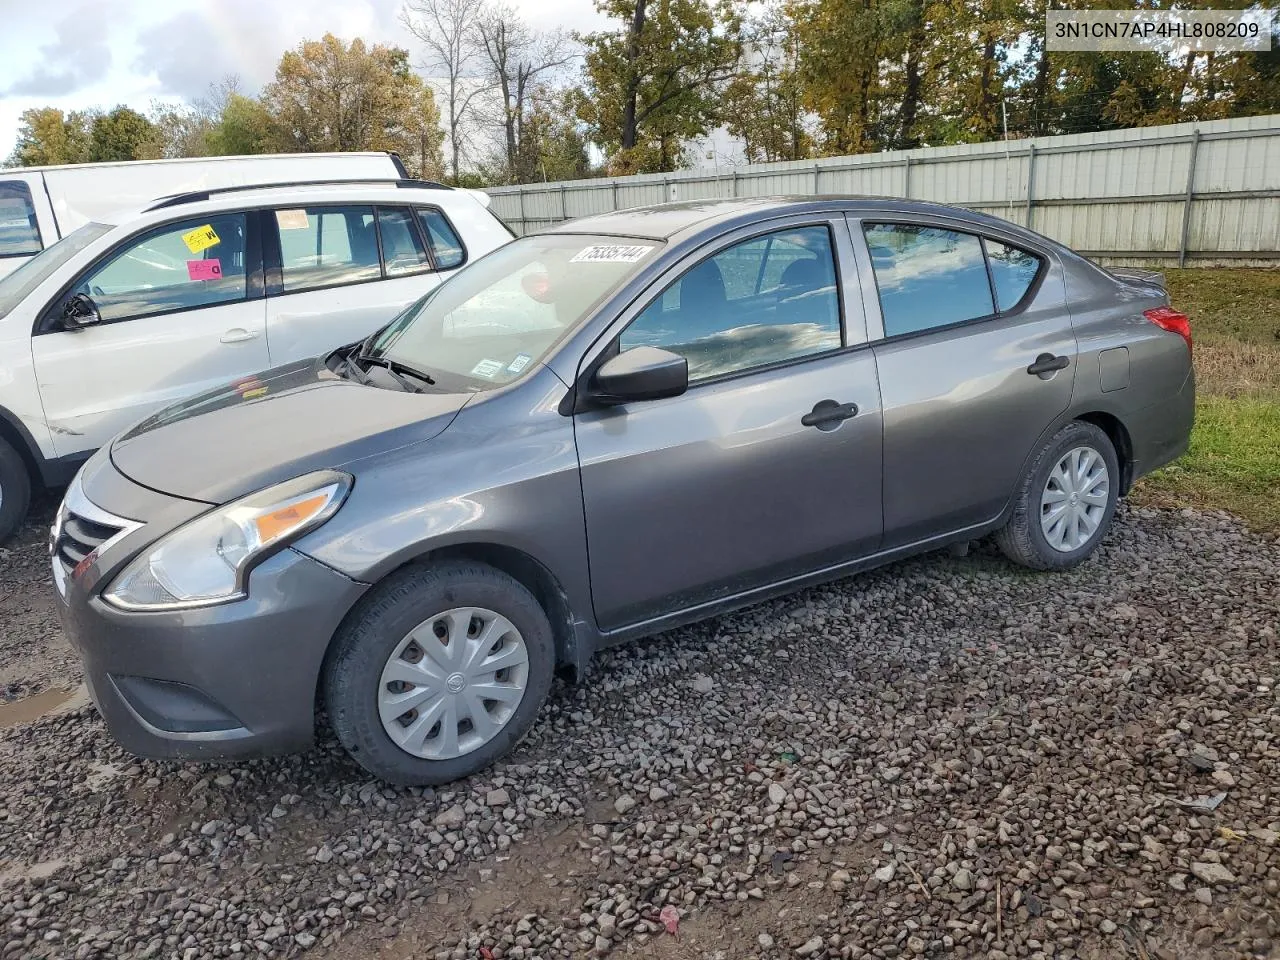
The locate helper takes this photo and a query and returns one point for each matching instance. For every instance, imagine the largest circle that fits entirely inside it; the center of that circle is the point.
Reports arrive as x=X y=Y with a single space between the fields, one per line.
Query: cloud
x=189 y=51
x=78 y=57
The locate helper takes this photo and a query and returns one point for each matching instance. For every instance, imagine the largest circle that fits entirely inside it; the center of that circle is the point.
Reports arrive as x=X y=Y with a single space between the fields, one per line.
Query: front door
x=966 y=320
x=726 y=488
x=181 y=312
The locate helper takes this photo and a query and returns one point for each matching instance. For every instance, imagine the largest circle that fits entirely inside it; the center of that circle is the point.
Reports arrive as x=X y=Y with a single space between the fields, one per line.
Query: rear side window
x=927 y=277
x=1013 y=271
x=445 y=245
x=181 y=266
x=327 y=247
x=19 y=232
x=402 y=250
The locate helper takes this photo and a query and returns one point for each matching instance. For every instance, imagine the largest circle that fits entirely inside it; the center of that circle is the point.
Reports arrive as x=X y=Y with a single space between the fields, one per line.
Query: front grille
x=79 y=537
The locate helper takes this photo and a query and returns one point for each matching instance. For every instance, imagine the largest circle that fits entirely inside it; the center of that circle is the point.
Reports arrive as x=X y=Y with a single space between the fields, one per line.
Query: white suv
x=121 y=318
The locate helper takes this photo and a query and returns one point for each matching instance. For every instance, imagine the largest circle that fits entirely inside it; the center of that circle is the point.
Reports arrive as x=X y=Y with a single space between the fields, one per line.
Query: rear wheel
x=1066 y=501
x=439 y=673
x=15 y=490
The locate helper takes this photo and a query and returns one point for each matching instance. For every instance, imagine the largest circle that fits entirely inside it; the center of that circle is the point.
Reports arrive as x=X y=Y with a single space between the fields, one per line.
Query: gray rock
x=1212 y=873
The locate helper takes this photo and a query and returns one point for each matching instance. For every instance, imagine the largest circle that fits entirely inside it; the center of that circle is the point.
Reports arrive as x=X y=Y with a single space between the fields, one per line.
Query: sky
x=74 y=54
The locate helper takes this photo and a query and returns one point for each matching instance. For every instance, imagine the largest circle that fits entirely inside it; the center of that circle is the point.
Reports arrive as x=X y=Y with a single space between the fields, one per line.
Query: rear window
x=19 y=232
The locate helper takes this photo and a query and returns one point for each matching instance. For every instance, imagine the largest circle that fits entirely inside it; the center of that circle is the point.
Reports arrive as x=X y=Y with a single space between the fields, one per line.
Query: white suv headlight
x=208 y=560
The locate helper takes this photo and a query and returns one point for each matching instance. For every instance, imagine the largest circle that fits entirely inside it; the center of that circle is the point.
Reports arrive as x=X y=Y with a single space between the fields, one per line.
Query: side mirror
x=80 y=311
x=641 y=373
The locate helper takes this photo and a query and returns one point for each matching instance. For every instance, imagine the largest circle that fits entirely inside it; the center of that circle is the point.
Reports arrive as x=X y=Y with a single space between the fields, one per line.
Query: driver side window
x=761 y=301
x=181 y=266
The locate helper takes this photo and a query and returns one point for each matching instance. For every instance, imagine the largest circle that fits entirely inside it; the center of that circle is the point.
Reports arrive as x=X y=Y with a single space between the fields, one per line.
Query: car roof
x=667 y=221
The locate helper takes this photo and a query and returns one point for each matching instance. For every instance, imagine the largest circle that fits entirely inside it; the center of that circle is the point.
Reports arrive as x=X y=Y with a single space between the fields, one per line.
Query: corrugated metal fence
x=1195 y=193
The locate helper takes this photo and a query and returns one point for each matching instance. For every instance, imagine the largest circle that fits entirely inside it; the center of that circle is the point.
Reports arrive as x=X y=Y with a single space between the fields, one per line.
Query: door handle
x=238 y=335
x=1047 y=364
x=828 y=414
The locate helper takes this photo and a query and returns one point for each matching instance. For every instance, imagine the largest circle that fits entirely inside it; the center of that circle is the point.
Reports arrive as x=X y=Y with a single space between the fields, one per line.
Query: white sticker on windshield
x=611 y=253
x=487 y=369
x=519 y=363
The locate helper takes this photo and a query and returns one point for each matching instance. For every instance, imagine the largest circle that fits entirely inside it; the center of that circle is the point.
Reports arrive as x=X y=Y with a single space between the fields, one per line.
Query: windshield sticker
x=519 y=363
x=487 y=369
x=292 y=219
x=204 y=269
x=201 y=238
x=611 y=253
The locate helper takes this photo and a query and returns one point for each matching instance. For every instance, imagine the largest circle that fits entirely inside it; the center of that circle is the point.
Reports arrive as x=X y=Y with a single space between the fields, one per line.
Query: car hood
x=223 y=444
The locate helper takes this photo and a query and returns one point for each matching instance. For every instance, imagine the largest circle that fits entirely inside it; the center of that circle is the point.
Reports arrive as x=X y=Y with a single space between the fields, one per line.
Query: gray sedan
x=619 y=425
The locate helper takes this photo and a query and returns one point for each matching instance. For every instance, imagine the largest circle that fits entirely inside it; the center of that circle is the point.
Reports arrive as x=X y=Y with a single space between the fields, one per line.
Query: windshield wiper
x=397 y=370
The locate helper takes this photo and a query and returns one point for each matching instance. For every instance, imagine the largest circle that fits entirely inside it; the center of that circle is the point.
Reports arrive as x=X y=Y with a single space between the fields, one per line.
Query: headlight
x=208 y=560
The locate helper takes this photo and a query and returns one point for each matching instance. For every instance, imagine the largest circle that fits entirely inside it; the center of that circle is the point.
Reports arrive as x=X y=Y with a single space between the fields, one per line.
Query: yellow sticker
x=201 y=238
x=292 y=219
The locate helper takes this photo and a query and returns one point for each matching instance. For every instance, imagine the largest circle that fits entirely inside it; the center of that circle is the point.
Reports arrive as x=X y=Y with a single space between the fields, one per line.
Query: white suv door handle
x=238 y=335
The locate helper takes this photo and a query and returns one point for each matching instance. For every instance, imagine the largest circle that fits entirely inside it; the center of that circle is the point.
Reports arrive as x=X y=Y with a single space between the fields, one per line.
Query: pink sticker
x=204 y=269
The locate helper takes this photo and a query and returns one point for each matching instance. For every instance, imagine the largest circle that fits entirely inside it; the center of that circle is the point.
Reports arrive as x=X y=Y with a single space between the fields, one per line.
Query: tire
x=15 y=490
x=1024 y=540
x=420 y=600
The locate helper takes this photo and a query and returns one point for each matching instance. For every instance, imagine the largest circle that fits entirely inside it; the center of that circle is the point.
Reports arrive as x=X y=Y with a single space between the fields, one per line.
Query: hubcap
x=1074 y=499
x=453 y=683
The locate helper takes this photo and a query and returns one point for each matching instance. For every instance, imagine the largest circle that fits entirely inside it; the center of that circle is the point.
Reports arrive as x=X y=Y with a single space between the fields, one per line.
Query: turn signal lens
x=277 y=522
x=1167 y=318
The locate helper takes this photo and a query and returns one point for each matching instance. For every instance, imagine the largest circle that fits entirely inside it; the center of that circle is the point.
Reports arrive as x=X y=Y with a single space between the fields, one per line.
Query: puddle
x=33 y=708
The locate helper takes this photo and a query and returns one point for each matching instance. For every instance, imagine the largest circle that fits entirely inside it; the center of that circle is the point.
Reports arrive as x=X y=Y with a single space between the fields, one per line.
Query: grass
x=1234 y=460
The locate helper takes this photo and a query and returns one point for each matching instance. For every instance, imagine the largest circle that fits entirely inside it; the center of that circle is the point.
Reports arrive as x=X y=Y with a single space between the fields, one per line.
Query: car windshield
x=501 y=315
x=16 y=286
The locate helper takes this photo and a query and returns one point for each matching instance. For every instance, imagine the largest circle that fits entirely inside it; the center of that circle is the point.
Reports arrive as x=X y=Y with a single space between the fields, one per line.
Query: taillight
x=1172 y=320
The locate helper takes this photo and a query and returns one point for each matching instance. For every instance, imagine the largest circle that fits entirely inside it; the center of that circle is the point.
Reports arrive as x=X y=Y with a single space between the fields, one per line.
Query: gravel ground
x=33 y=656
x=946 y=757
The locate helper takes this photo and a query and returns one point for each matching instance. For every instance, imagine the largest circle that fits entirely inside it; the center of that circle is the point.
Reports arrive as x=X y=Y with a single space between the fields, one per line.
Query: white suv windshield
x=15 y=287
x=496 y=318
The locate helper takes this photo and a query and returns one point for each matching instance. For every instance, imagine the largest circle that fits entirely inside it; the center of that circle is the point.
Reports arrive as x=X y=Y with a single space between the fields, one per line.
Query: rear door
x=962 y=322
x=735 y=484
x=182 y=311
x=342 y=271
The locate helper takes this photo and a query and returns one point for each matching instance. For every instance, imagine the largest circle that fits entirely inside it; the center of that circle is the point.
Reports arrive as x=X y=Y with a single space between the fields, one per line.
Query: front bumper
x=234 y=680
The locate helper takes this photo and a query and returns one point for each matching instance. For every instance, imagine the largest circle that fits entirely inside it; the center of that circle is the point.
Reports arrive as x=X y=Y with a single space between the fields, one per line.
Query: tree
x=561 y=148
x=651 y=85
x=196 y=128
x=516 y=59
x=447 y=31
x=763 y=102
x=244 y=127
x=331 y=96
x=46 y=137
x=123 y=134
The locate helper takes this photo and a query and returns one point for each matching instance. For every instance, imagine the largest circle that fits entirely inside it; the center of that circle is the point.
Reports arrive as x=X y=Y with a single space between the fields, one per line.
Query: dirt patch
x=32 y=708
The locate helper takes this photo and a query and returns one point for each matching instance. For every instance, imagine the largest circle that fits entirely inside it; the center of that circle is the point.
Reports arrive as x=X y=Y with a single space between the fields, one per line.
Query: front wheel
x=15 y=490
x=439 y=672
x=1066 y=501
